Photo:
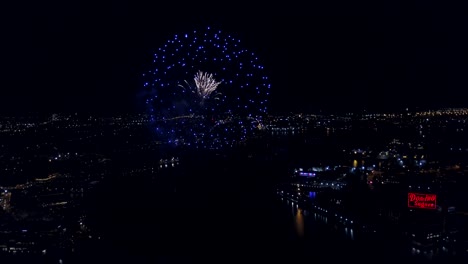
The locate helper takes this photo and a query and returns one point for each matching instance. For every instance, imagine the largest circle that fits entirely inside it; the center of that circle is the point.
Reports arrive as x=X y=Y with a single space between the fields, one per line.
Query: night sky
x=88 y=57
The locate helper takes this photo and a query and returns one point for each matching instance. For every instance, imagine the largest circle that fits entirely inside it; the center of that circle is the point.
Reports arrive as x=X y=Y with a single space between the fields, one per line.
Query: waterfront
x=134 y=199
x=219 y=218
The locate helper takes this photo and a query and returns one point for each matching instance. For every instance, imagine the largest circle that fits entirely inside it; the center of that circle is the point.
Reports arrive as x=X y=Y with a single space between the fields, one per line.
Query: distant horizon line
x=274 y=113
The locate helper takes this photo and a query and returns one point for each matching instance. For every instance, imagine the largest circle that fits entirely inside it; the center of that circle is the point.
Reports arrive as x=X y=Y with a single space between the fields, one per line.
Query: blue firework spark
x=206 y=90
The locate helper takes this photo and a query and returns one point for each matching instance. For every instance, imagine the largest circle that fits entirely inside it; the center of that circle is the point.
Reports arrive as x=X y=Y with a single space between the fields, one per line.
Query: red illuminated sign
x=422 y=200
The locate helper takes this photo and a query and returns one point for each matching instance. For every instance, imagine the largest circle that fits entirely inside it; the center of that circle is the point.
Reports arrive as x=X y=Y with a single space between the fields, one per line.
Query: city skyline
x=320 y=185
x=156 y=132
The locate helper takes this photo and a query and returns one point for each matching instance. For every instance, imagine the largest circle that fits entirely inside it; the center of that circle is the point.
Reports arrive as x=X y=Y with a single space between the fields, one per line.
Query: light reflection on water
x=314 y=228
x=349 y=232
x=299 y=222
x=305 y=220
x=320 y=218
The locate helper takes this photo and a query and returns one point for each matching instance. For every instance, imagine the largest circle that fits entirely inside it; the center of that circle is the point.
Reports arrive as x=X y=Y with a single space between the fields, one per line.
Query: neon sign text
x=422 y=200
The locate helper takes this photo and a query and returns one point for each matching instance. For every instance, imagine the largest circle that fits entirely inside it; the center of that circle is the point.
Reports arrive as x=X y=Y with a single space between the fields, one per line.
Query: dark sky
x=82 y=56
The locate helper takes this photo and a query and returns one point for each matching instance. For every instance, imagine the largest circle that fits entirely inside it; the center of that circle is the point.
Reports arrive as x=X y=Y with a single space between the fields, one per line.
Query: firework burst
x=225 y=99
